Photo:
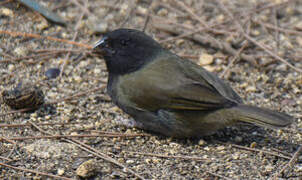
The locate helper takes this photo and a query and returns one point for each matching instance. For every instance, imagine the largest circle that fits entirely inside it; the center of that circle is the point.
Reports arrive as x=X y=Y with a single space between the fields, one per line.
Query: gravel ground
x=238 y=152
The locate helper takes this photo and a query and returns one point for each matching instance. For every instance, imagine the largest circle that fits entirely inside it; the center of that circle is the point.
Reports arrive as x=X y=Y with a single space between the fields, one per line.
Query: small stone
x=298 y=26
x=299 y=40
x=11 y=67
x=141 y=10
x=101 y=27
x=269 y=168
x=83 y=64
x=78 y=79
x=6 y=12
x=253 y=144
x=220 y=18
x=43 y=25
x=20 y=51
x=201 y=142
x=148 y=161
x=123 y=9
x=60 y=172
x=251 y=89
x=130 y=161
x=179 y=42
x=97 y=71
x=87 y=169
x=52 y=73
x=236 y=156
x=205 y=59
x=238 y=139
x=255 y=32
x=210 y=68
x=162 y=12
x=220 y=148
x=243 y=85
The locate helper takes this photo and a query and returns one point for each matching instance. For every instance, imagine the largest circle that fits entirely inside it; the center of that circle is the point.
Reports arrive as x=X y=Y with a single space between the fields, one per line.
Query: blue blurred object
x=52 y=73
x=34 y=5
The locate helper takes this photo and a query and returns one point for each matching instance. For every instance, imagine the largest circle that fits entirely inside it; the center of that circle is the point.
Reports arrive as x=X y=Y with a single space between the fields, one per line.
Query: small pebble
x=11 y=67
x=238 y=139
x=205 y=59
x=101 y=27
x=210 y=68
x=60 y=172
x=52 y=73
x=201 y=142
x=162 y=12
x=6 y=12
x=20 y=51
x=253 y=144
x=87 y=169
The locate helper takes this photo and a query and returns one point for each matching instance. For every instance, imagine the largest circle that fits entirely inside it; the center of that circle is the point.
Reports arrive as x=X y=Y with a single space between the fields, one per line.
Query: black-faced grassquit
x=170 y=95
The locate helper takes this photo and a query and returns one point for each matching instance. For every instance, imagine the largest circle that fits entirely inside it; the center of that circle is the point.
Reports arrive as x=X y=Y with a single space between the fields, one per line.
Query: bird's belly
x=181 y=124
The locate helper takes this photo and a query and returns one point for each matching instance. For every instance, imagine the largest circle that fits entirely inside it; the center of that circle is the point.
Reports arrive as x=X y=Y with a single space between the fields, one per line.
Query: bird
x=166 y=94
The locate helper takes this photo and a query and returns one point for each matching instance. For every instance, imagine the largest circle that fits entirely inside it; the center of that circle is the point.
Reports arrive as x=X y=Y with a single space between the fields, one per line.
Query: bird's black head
x=126 y=50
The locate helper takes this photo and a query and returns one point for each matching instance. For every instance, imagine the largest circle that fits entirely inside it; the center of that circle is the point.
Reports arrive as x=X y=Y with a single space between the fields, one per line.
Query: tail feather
x=262 y=117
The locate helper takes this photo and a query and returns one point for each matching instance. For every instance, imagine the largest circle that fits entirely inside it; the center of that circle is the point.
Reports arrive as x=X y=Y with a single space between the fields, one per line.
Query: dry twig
x=169 y=156
x=37 y=36
x=224 y=46
x=249 y=38
x=33 y=171
x=261 y=151
x=92 y=151
x=290 y=164
x=74 y=136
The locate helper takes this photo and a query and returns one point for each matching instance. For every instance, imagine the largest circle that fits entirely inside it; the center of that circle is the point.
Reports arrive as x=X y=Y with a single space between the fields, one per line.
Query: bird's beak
x=98 y=47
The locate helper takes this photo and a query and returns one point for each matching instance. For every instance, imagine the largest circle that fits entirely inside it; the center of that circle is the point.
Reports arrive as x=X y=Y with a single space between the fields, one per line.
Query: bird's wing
x=171 y=84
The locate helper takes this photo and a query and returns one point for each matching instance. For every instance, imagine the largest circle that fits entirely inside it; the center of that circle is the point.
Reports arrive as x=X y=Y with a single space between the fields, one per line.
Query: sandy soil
x=238 y=152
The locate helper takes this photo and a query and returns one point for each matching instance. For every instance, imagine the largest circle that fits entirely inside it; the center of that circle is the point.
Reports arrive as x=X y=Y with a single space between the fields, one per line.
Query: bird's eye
x=123 y=42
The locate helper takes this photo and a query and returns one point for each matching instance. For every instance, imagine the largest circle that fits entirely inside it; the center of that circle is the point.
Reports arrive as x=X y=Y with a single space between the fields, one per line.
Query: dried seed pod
x=24 y=96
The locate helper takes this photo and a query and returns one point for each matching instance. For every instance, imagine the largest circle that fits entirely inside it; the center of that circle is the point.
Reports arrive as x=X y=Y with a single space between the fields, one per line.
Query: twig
x=130 y=13
x=92 y=151
x=5 y=158
x=102 y=156
x=35 y=172
x=224 y=46
x=284 y=30
x=7 y=140
x=195 y=16
x=117 y=133
x=169 y=156
x=5 y=2
x=261 y=151
x=234 y=59
x=147 y=18
x=217 y=175
x=290 y=164
x=15 y=60
x=83 y=8
x=59 y=50
x=77 y=95
x=74 y=136
x=40 y=124
x=262 y=46
x=37 y=36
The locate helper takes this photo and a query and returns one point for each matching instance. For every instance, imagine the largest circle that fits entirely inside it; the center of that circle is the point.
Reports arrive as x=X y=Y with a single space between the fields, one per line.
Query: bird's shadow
x=243 y=135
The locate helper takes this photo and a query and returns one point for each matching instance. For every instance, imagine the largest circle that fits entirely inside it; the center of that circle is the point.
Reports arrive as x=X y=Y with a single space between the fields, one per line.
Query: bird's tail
x=261 y=117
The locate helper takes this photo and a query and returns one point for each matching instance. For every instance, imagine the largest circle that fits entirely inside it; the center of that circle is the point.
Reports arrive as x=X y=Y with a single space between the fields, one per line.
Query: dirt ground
x=255 y=45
